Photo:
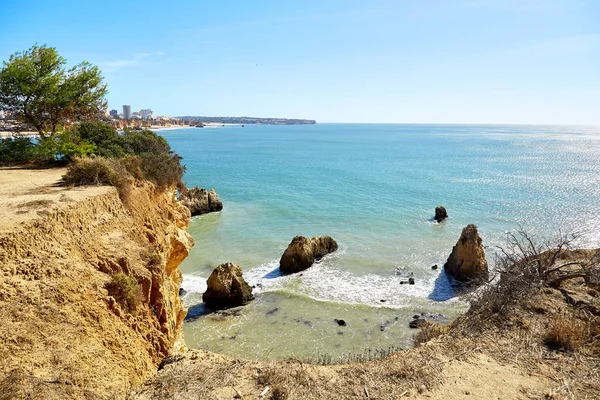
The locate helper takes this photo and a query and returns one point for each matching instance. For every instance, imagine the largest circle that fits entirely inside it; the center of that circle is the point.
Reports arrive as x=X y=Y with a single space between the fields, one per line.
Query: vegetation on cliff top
x=36 y=88
x=63 y=106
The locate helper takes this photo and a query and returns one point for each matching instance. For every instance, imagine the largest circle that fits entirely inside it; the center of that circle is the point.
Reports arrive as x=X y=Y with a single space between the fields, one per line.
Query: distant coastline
x=248 y=120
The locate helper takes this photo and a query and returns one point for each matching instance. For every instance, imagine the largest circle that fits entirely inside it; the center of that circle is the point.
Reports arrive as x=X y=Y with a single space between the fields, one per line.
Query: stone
x=200 y=201
x=467 y=262
x=227 y=288
x=440 y=213
x=417 y=323
x=302 y=252
x=411 y=281
x=434 y=267
x=340 y=322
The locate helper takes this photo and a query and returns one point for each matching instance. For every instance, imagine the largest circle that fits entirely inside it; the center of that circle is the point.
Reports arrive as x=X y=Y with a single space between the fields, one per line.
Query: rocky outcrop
x=227 y=288
x=440 y=213
x=467 y=261
x=200 y=201
x=302 y=252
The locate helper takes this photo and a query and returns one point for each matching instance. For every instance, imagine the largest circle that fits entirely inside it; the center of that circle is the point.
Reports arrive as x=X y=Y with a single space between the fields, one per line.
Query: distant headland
x=248 y=120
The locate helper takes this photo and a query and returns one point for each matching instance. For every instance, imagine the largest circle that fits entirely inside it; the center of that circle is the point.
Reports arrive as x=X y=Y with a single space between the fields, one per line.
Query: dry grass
x=566 y=334
x=429 y=332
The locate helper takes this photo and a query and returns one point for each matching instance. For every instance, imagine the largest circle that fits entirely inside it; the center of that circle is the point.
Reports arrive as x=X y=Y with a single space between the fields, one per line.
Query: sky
x=397 y=61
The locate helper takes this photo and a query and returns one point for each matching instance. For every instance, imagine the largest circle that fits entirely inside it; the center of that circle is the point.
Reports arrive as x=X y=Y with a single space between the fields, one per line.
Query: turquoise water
x=373 y=188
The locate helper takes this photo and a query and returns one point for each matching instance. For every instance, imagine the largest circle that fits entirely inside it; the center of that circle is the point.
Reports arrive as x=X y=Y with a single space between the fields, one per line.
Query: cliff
x=62 y=335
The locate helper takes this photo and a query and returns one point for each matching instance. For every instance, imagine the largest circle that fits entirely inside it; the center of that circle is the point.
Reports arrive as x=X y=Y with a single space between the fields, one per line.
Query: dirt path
x=28 y=193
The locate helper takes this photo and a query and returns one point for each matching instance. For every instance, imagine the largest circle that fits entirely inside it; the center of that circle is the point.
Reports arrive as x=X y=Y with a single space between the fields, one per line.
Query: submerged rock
x=227 y=288
x=423 y=319
x=440 y=213
x=200 y=201
x=302 y=252
x=467 y=261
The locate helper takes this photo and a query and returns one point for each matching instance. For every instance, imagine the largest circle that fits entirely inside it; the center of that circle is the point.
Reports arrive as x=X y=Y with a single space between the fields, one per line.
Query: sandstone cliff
x=62 y=335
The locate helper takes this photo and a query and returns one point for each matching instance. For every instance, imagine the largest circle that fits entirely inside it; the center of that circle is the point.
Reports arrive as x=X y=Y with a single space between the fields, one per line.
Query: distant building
x=146 y=113
x=126 y=112
x=135 y=114
x=114 y=113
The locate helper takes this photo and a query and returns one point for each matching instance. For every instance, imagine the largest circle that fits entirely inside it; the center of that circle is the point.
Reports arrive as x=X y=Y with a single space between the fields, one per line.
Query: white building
x=146 y=113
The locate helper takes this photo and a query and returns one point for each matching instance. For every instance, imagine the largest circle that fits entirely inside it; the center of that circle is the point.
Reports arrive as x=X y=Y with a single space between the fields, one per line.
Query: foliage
x=91 y=171
x=17 y=149
x=162 y=169
x=142 y=155
x=37 y=89
x=103 y=136
x=125 y=290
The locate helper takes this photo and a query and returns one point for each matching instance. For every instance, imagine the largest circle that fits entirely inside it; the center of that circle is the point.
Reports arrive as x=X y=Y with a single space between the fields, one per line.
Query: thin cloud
x=135 y=60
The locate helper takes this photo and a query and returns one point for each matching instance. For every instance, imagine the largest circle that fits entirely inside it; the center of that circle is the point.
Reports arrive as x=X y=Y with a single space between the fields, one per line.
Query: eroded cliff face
x=61 y=334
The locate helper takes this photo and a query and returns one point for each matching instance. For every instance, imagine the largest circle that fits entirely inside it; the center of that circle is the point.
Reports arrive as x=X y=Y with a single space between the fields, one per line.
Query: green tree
x=37 y=89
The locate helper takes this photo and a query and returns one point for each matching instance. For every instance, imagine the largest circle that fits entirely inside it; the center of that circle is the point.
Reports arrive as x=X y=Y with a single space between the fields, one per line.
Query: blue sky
x=453 y=61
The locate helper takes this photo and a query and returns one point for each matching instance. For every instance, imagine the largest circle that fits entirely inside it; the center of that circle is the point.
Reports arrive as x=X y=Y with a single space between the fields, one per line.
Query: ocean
x=373 y=188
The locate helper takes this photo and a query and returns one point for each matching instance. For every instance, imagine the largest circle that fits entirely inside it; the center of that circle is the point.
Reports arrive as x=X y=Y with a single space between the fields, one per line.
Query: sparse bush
x=279 y=393
x=91 y=171
x=565 y=334
x=133 y=165
x=125 y=290
x=524 y=266
x=154 y=258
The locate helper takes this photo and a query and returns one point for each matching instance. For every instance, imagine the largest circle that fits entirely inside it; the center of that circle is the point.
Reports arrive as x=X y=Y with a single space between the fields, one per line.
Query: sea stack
x=227 y=288
x=200 y=201
x=467 y=261
x=440 y=213
x=302 y=252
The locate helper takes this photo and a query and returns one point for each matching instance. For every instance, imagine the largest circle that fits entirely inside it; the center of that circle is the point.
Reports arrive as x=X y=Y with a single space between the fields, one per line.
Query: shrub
x=146 y=141
x=162 y=169
x=524 y=266
x=16 y=149
x=91 y=171
x=565 y=334
x=125 y=290
x=133 y=165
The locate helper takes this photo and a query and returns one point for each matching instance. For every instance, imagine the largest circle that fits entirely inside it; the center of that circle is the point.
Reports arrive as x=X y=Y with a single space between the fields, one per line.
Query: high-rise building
x=114 y=113
x=146 y=113
x=126 y=112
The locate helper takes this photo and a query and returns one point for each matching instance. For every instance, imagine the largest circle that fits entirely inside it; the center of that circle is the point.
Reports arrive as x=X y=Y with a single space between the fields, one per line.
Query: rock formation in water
x=302 y=252
x=227 y=287
x=440 y=213
x=467 y=261
x=200 y=201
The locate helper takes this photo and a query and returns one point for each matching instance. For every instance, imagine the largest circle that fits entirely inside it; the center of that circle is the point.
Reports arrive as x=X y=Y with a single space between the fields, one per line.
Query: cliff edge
x=62 y=334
